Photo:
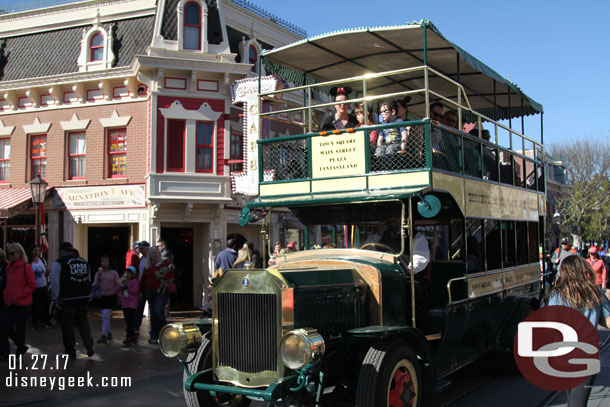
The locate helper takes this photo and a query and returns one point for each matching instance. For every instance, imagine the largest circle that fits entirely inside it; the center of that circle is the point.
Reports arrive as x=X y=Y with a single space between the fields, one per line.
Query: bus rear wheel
x=202 y=361
x=389 y=376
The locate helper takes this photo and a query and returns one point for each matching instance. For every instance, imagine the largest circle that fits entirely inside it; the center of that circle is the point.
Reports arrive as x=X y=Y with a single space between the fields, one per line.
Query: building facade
x=124 y=107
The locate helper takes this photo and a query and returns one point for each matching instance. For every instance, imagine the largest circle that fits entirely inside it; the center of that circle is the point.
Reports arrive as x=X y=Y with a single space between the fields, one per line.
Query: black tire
x=390 y=376
x=203 y=360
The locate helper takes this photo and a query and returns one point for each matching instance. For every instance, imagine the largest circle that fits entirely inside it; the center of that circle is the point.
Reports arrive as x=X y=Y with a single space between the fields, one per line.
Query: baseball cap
x=565 y=241
x=135 y=244
x=291 y=244
x=66 y=246
x=131 y=269
x=143 y=243
x=593 y=249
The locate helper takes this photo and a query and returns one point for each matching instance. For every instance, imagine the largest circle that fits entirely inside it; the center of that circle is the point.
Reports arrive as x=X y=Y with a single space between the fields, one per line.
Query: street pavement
x=141 y=363
x=154 y=377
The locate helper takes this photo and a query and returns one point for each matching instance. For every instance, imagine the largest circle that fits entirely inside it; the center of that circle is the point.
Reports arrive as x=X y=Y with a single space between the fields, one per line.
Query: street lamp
x=38 y=187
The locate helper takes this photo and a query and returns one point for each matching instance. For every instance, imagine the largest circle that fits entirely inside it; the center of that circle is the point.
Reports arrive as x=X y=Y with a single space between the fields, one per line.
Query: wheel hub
x=402 y=392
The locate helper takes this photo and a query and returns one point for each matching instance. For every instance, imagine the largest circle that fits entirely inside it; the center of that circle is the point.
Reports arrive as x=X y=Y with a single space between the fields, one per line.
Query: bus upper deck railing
x=430 y=146
x=461 y=105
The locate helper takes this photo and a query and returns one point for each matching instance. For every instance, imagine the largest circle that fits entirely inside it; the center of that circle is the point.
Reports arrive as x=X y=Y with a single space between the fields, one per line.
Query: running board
x=441 y=385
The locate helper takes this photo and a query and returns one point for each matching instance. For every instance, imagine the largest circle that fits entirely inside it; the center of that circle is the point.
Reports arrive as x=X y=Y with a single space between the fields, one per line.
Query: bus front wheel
x=202 y=361
x=390 y=376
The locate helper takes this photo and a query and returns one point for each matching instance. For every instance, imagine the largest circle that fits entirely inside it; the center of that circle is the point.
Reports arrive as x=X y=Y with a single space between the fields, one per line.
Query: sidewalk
x=110 y=360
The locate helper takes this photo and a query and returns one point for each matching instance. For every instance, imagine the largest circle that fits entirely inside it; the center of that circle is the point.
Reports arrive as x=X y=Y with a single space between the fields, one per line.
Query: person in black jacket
x=70 y=290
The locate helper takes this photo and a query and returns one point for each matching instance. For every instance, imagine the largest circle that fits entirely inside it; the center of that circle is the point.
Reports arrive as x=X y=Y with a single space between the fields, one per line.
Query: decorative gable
x=96 y=48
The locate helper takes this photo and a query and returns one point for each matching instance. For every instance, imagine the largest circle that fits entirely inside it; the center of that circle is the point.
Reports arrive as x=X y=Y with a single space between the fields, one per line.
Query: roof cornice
x=68 y=78
x=146 y=61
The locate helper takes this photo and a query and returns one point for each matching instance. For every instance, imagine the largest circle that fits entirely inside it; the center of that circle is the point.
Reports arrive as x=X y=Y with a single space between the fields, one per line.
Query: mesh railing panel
x=446 y=150
x=392 y=152
x=472 y=158
x=287 y=160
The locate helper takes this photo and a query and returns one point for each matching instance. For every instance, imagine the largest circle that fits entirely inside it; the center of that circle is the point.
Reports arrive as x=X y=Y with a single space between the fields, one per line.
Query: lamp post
x=557 y=227
x=38 y=187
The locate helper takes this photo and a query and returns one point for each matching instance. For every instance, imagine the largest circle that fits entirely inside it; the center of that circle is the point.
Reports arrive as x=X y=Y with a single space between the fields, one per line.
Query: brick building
x=124 y=107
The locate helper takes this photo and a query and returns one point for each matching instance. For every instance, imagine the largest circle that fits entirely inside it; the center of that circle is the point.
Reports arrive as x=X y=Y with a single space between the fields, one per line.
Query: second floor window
x=97 y=48
x=38 y=155
x=5 y=159
x=204 y=148
x=253 y=57
x=237 y=152
x=192 y=26
x=76 y=155
x=176 y=133
x=117 y=153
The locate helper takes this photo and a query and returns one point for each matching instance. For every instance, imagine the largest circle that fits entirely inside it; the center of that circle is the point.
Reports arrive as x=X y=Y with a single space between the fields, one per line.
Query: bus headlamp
x=175 y=339
x=301 y=347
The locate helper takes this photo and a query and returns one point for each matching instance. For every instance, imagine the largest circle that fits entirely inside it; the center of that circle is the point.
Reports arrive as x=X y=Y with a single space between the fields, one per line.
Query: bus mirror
x=429 y=206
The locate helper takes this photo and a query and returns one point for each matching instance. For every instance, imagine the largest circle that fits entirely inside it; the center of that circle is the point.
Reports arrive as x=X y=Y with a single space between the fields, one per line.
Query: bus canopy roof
x=355 y=52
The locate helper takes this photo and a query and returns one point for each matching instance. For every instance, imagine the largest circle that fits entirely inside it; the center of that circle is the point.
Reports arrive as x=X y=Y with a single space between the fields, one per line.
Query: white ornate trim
x=84 y=59
x=115 y=120
x=36 y=127
x=75 y=124
x=177 y=111
x=6 y=130
x=204 y=25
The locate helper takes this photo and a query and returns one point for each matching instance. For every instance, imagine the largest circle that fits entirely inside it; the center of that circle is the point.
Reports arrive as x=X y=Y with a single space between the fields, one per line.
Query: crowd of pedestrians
x=61 y=293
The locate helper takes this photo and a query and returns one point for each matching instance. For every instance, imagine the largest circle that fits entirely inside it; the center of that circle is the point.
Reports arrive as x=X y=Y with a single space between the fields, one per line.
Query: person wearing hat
x=561 y=252
x=70 y=291
x=598 y=267
x=292 y=247
x=132 y=258
x=342 y=118
x=143 y=248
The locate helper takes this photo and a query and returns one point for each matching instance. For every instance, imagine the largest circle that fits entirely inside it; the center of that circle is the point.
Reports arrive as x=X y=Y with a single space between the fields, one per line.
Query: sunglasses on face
x=436 y=115
x=11 y=253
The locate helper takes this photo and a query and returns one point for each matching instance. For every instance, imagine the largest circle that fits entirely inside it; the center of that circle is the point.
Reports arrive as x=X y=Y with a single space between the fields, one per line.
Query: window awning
x=10 y=198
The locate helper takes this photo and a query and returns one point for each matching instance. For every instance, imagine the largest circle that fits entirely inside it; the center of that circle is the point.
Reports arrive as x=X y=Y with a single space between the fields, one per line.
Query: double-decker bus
x=431 y=250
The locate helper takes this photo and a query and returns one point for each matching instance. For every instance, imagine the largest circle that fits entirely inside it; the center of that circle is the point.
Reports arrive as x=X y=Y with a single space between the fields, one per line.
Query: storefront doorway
x=180 y=242
x=113 y=241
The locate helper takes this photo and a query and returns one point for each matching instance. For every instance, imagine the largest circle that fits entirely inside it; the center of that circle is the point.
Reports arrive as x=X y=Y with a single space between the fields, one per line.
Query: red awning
x=9 y=198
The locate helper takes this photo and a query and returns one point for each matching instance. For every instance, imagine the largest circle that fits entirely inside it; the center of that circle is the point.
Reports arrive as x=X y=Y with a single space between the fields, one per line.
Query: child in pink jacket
x=129 y=299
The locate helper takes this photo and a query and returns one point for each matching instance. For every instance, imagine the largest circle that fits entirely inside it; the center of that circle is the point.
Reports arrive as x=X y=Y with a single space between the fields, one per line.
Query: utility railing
x=460 y=105
x=429 y=146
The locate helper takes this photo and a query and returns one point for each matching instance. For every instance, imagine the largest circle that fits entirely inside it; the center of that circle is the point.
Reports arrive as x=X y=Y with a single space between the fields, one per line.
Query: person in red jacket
x=158 y=272
x=598 y=267
x=132 y=258
x=20 y=284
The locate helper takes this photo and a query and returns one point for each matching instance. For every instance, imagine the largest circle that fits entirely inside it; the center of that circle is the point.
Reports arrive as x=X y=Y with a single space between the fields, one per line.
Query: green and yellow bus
x=354 y=322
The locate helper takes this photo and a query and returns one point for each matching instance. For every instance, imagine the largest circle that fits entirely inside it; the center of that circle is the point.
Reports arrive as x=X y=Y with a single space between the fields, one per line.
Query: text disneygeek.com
x=61 y=383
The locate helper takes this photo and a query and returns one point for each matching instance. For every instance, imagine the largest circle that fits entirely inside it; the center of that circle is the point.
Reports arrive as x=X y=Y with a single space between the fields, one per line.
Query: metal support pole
x=37 y=231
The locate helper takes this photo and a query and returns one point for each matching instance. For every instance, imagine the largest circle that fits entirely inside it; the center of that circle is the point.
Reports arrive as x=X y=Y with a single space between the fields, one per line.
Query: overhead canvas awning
x=13 y=201
x=355 y=52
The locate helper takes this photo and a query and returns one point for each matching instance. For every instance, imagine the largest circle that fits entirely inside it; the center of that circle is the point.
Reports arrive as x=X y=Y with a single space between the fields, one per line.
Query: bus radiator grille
x=247 y=332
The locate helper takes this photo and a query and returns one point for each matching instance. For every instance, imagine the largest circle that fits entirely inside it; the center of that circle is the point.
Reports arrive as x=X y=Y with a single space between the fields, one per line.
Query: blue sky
x=556 y=51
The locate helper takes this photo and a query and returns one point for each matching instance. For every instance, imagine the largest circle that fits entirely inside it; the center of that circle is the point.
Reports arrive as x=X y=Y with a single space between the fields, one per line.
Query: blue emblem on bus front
x=245 y=282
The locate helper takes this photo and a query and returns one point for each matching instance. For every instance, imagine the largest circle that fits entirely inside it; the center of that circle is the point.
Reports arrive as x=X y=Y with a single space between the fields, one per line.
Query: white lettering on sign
x=246 y=91
x=338 y=155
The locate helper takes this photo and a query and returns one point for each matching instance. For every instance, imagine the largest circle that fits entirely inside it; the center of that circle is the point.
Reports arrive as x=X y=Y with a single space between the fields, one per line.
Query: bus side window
x=492 y=245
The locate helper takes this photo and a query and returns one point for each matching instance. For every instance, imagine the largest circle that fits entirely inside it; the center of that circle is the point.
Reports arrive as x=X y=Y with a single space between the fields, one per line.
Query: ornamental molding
x=68 y=78
x=6 y=130
x=177 y=111
x=36 y=127
x=75 y=124
x=115 y=120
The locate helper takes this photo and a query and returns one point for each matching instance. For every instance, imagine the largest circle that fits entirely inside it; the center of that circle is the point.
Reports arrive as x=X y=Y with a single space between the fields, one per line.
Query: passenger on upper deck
x=342 y=118
x=450 y=119
x=390 y=140
x=402 y=111
x=373 y=135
